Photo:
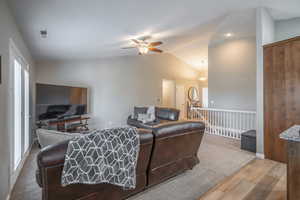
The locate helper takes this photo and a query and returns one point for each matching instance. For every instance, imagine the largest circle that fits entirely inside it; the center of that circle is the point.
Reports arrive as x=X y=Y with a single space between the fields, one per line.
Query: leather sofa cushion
x=167 y=113
x=171 y=128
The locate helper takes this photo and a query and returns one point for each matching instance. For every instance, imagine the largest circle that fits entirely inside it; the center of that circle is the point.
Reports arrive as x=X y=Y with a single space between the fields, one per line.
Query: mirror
x=193 y=94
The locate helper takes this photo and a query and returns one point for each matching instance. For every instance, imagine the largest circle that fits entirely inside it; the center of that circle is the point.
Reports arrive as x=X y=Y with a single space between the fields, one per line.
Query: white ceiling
x=194 y=49
x=85 y=29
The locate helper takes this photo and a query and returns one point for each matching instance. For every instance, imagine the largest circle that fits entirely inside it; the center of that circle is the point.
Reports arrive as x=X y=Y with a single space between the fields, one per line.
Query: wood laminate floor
x=258 y=180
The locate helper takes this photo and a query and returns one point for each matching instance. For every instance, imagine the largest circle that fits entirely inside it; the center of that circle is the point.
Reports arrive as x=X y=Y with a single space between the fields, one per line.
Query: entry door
x=180 y=100
x=20 y=106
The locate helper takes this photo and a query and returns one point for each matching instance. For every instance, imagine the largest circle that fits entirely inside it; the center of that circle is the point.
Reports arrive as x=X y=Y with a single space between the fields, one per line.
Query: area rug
x=219 y=158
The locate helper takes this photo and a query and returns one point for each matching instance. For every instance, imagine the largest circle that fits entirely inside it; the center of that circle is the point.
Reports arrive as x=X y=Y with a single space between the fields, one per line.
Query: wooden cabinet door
x=281 y=96
x=275 y=106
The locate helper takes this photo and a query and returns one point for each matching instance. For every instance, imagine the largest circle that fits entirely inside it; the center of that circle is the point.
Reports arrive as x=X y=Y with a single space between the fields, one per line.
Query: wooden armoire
x=281 y=94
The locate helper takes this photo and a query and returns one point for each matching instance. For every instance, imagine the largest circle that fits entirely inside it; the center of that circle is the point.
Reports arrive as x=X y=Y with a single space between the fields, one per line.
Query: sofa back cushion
x=171 y=114
x=50 y=137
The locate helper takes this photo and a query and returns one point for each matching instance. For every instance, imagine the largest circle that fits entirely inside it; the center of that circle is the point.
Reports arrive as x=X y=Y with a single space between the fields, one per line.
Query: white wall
x=117 y=84
x=8 y=29
x=285 y=29
x=232 y=74
x=169 y=93
x=265 y=33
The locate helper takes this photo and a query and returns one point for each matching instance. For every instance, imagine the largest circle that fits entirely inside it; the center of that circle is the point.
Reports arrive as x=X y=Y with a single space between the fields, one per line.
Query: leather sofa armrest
x=133 y=122
x=138 y=124
x=52 y=155
x=179 y=127
x=146 y=136
x=38 y=178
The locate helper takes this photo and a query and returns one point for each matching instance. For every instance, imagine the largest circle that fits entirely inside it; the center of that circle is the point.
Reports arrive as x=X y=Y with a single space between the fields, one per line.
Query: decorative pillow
x=139 y=110
x=147 y=117
x=151 y=113
x=144 y=118
x=50 y=137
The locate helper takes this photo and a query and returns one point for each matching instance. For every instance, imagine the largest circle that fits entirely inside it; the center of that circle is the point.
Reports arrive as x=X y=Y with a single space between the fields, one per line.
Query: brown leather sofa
x=175 y=143
x=166 y=150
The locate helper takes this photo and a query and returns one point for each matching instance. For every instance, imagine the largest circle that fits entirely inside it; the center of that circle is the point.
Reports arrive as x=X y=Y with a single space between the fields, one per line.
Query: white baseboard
x=260 y=155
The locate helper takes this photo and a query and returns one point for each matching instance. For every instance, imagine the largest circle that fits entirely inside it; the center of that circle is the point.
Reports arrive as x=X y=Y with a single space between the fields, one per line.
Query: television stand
x=72 y=124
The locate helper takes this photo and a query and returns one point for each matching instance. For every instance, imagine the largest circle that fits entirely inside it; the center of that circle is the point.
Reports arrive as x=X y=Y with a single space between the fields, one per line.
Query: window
x=17 y=113
x=26 y=110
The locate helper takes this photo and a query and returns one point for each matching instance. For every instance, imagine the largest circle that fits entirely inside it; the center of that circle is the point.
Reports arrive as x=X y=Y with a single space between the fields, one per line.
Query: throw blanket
x=103 y=156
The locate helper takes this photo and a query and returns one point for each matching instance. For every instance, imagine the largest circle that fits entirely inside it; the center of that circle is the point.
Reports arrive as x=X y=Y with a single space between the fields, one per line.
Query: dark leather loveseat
x=167 y=149
x=162 y=115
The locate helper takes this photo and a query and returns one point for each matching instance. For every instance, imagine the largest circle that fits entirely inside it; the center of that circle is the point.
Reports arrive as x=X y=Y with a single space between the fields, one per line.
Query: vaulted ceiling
x=90 y=29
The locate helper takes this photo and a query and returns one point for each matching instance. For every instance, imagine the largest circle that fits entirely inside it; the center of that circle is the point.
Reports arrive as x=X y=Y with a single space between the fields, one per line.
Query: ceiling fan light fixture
x=202 y=78
x=144 y=46
x=143 y=50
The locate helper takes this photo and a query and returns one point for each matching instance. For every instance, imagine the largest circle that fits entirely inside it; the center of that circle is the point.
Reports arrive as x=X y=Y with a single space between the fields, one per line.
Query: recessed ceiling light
x=202 y=78
x=228 y=35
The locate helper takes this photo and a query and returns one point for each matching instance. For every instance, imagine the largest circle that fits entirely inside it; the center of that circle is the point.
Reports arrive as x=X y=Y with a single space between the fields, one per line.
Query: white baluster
x=228 y=123
x=218 y=122
x=214 y=122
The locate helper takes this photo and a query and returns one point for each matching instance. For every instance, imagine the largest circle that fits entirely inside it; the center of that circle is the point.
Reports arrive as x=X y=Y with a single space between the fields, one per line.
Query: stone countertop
x=291 y=134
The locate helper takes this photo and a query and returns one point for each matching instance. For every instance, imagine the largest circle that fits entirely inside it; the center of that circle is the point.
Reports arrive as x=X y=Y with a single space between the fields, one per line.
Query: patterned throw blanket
x=103 y=156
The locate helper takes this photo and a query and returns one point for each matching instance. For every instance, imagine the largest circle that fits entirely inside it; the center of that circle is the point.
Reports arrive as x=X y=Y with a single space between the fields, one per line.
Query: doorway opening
x=173 y=96
x=168 y=93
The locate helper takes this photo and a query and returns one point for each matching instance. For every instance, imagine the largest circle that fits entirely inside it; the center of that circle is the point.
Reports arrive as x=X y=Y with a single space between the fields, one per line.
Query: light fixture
x=228 y=35
x=202 y=78
x=143 y=50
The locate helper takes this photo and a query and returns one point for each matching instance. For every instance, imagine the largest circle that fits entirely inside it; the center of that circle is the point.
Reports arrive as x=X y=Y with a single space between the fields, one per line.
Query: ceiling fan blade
x=135 y=41
x=129 y=47
x=143 y=38
x=153 y=44
x=155 y=50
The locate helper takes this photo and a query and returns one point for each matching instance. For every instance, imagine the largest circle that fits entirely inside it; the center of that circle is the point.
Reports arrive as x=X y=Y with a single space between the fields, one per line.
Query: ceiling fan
x=143 y=46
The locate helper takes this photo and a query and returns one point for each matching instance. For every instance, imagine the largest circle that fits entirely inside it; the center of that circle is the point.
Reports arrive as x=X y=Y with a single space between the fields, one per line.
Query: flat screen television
x=57 y=101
